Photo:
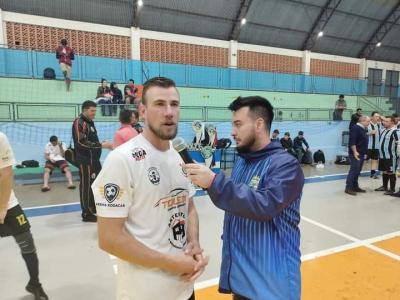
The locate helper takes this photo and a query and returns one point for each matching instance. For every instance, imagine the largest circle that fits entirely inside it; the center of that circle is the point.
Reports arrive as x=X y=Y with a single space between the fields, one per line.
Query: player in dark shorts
x=13 y=221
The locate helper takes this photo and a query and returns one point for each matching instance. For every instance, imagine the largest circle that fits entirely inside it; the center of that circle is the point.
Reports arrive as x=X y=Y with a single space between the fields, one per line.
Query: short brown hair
x=392 y=118
x=156 y=81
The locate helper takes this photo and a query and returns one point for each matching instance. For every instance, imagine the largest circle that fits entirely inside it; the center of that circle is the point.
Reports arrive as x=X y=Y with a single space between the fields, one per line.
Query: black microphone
x=181 y=147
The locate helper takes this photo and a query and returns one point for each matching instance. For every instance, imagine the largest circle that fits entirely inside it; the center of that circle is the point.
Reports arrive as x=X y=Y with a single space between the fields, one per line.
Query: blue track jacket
x=261 y=237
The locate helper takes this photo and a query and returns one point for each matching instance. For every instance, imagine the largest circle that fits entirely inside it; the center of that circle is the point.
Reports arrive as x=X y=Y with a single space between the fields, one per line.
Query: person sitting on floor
x=287 y=143
x=54 y=155
x=298 y=142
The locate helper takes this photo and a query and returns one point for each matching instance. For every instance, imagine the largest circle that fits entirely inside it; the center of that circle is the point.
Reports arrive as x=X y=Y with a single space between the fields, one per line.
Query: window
x=391 y=83
x=374 y=81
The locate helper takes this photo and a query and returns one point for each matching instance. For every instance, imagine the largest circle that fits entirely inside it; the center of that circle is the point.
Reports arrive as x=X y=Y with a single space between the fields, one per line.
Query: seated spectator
x=298 y=142
x=54 y=155
x=129 y=96
x=104 y=97
x=275 y=136
x=287 y=143
x=135 y=122
x=116 y=97
x=126 y=131
x=131 y=86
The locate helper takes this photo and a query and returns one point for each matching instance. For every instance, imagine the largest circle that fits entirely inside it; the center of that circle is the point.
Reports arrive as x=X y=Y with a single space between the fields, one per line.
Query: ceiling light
x=140 y=3
x=378 y=44
x=243 y=21
x=320 y=34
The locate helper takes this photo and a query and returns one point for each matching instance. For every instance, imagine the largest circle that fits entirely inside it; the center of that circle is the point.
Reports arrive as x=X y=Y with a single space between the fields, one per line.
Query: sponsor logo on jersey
x=177 y=224
x=111 y=192
x=254 y=182
x=154 y=175
x=176 y=198
x=139 y=154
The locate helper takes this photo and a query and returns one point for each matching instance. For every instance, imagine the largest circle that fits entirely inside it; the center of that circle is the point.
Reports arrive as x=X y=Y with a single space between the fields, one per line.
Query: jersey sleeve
x=6 y=154
x=112 y=188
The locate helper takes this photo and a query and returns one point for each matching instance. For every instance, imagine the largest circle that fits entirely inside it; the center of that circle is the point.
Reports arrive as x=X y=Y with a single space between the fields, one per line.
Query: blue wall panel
x=150 y=69
x=262 y=81
x=134 y=71
x=95 y=68
x=285 y=82
x=203 y=76
x=344 y=86
x=239 y=79
x=322 y=85
x=175 y=71
x=16 y=63
x=21 y=63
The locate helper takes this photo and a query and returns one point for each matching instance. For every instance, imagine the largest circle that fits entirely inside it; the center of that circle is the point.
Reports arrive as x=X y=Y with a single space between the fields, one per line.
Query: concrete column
x=233 y=52
x=306 y=62
x=135 y=43
x=3 y=36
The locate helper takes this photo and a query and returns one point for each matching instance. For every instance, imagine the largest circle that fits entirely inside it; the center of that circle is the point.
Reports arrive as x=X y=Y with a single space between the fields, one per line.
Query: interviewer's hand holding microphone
x=198 y=174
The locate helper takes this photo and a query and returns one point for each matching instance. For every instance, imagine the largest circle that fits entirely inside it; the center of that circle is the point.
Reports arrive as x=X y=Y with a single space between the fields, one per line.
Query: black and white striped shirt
x=388 y=143
x=373 y=139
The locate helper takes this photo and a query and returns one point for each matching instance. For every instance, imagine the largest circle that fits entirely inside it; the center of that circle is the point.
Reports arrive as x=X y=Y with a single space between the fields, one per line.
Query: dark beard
x=161 y=135
x=247 y=148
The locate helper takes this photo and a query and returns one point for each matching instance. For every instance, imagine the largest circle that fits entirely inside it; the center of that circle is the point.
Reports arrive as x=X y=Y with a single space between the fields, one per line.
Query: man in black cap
x=275 y=136
x=298 y=142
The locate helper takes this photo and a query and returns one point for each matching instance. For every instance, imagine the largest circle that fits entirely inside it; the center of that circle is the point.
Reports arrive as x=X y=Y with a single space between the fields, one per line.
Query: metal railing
x=65 y=112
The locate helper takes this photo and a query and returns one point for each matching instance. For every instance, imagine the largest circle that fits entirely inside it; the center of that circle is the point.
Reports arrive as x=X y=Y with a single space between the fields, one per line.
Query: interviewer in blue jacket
x=261 y=200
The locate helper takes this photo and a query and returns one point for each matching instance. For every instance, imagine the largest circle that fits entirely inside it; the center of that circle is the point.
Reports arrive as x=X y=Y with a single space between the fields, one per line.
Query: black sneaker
x=89 y=218
x=381 y=189
x=389 y=192
x=397 y=194
x=37 y=291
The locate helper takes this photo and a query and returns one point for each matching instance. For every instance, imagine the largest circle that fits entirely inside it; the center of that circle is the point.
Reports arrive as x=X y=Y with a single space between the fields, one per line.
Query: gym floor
x=350 y=245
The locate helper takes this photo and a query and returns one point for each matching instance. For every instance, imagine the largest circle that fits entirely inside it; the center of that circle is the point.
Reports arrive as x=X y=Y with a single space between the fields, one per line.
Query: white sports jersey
x=7 y=160
x=149 y=188
x=54 y=151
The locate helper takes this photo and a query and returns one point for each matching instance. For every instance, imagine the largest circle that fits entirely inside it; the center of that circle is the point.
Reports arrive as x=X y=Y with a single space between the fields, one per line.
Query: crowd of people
x=374 y=138
x=298 y=147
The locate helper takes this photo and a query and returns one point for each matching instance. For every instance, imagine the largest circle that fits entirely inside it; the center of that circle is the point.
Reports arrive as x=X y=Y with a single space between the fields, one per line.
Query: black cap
x=301 y=133
x=276 y=131
x=287 y=133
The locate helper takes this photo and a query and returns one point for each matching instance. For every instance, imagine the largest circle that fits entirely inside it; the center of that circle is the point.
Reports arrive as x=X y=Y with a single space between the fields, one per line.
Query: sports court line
x=45 y=210
x=321 y=253
x=358 y=242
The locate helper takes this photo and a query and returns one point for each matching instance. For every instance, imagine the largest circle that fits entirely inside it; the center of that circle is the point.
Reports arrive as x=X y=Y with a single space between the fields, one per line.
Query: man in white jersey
x=374 y=131
x=13 y=220
x=146 y=215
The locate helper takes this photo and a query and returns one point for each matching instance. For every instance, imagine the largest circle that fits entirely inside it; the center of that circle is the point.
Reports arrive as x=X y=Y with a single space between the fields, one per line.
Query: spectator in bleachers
x=54 y=154
x=135 y=122
x=340 y=106
x=65 y=56
x=275 y=136
x=355 y=117
x=131 y=86
x=104 y=97
x=129 y=96
x=298 y=142
x=116 y=97
x=287 y=143
x=126 y=131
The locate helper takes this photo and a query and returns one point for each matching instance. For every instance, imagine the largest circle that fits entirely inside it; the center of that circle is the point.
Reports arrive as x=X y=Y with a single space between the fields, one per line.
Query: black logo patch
x=139 y=154
x=154 y=176
x=111 y=192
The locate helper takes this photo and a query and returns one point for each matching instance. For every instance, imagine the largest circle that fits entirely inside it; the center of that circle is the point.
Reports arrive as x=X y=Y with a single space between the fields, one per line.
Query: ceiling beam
x=384 y=27
x=237 y=24
x=320 y=23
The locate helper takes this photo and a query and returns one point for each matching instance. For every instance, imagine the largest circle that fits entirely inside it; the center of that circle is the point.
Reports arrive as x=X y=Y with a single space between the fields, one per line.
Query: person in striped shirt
x=388 y=155
x=374 y=132
x=261 y=200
